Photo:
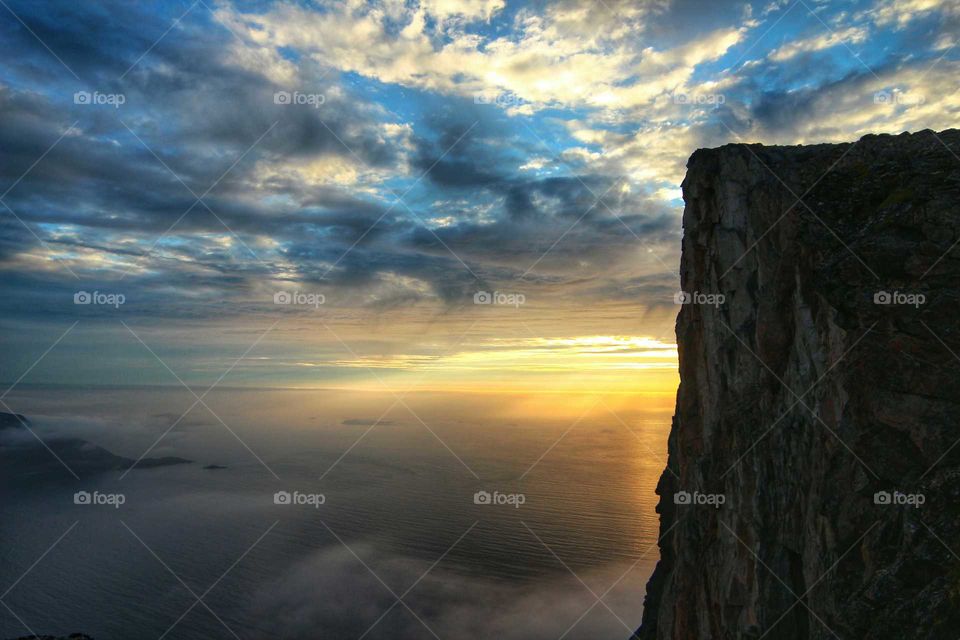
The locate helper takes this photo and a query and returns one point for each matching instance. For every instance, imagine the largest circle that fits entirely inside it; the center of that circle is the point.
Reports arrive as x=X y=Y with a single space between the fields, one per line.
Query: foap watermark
x=504 y=100
x=99 y=499
x=99 y=99
x=698 y=297
x=299 y=298
x=315 y=100
x=299 y=499
x=99 y=298
x=906 y=98
x=898 y=499
x=714 y=500
x=496 y=498
x=899 y=298
x=699 y=99
x=501 y=298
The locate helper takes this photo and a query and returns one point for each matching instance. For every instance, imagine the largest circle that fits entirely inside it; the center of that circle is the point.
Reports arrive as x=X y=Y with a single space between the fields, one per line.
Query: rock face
x=813 y=480
x=72 y=636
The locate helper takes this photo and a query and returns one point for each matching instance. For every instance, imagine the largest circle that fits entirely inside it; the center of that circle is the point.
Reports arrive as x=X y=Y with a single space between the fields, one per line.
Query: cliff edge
x=812 y=488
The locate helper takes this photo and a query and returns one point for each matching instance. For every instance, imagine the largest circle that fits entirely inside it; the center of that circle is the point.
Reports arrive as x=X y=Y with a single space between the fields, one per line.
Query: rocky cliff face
x=813 y=481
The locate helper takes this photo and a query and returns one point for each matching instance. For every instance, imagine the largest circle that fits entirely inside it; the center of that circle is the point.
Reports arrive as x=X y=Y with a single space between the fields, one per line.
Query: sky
x=449 y=194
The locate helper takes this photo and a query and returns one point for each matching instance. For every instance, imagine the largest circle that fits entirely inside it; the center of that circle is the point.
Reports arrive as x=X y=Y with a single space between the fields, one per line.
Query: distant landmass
x=12 y=421
x=24 y=456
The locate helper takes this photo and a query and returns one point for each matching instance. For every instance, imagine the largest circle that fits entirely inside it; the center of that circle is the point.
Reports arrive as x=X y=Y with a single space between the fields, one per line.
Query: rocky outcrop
x=813 y=480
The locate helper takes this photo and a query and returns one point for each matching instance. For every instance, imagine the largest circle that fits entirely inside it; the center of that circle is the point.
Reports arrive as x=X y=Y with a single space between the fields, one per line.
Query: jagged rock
x=802 y=396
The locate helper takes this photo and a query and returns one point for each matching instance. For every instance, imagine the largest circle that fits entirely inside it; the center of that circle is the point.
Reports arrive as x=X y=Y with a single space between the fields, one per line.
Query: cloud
x=334 y=592
x=896 y=99
x=304 y=204
x=849 y=36
x=469 y=9
x=900 y=13
x=427 y=150
x=560 y=57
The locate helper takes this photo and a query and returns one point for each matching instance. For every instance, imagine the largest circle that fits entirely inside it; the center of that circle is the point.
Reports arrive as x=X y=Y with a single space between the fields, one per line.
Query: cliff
x=813 y=481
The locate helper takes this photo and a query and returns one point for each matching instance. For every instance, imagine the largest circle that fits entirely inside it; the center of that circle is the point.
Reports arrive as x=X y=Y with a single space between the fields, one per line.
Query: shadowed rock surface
x=804 y=394
x=72 y=636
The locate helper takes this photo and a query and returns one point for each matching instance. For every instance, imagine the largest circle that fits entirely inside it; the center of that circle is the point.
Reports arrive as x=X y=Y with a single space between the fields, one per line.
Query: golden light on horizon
x=576 y=364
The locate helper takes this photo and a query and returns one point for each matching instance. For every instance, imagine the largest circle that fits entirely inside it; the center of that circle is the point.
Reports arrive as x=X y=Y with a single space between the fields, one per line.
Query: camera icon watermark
x=899 y=298
x=697 y=297
x=96 y=498
x=96 y=98
x=905 y=98
x=896 y=498
x=315 y=100
x=299 y=499
x=514 y=500
x=500 y=298
x=699 y=99
x=503 y=100
x=715 y=500
x=98 y=298
x=299 y=298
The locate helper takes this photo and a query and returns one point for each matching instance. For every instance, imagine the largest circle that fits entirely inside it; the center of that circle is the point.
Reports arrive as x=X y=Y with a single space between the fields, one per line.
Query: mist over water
x=398 y=516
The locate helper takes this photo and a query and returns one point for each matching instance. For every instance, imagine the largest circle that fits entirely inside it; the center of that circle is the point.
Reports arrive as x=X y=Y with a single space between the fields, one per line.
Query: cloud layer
x=397 y=158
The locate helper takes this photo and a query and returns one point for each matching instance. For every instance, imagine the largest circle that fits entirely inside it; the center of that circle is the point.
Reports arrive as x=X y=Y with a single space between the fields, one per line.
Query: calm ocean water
x=398 y=549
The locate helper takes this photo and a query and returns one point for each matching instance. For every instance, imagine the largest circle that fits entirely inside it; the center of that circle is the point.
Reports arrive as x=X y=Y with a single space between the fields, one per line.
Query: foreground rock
x=813 y=482
x=72 y=636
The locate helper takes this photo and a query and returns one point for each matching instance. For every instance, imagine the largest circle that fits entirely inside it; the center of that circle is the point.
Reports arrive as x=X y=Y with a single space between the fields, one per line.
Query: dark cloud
x=678 y=21
x=118 y=202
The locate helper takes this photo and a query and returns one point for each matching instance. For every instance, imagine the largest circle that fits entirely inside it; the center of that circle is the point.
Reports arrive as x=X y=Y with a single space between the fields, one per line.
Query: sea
x=335 y=514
